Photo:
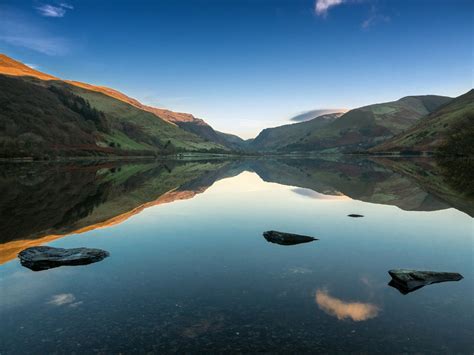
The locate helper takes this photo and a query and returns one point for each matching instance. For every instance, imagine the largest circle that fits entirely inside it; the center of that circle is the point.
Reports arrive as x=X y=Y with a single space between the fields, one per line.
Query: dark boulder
x=407 y=281
x=44 y=258
x=354 y=215
x=286 y=238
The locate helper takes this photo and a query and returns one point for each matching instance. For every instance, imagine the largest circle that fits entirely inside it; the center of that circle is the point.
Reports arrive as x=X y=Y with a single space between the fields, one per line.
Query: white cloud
x=51 y=11
x=32 y=66
x=54 y=11
x=49 y=46
x=322 y=6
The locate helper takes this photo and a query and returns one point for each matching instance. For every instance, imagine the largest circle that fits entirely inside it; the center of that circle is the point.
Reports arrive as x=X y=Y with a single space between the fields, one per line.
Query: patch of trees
x=82 y=107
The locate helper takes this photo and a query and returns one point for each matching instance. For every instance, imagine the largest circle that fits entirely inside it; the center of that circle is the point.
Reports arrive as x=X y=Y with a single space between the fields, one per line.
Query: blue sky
x=246 y=65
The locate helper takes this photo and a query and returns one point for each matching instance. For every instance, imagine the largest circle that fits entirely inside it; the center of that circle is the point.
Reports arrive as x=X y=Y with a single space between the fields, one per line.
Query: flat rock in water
x=44 y=258
x=354 y=215
x=286 y=238
x=407 y=281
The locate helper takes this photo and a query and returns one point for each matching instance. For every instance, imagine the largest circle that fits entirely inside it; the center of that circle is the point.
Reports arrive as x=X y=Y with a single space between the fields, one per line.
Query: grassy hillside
x=449 y=130
x=357 y=129
x=44 y=119
x=284 y=137
x=185 y=121
x=130 y=121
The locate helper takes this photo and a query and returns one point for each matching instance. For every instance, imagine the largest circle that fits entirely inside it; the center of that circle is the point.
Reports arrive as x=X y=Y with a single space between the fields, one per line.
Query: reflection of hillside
x=66 y=199
x=357 y=178
x=451 y=181
x=41 y=203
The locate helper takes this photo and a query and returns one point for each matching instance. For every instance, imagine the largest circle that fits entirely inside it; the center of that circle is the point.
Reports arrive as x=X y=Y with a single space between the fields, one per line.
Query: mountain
x=448 y=130
x=280 y=138
x=185 y=121
x=44 y=116
x=357 y=129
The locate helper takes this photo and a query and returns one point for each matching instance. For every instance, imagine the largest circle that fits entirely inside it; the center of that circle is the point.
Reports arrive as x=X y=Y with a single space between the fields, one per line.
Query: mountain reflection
x=357 y=311
x=43 y=202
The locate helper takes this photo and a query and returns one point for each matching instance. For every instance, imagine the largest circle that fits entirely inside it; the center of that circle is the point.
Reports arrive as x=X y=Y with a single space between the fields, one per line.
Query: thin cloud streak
x=18 y=30
x=54 y=11
x=374 y=18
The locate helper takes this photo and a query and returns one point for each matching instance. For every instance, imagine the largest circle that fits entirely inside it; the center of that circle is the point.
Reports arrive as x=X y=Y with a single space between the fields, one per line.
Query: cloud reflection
x=319 y=196
x=357 y=311
x=62 y=299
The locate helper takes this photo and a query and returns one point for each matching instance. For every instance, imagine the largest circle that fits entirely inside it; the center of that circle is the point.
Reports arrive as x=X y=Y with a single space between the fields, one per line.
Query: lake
x=189 y=269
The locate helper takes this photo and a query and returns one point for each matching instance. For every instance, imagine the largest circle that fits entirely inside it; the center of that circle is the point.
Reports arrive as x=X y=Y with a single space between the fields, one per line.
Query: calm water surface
x=189 y=270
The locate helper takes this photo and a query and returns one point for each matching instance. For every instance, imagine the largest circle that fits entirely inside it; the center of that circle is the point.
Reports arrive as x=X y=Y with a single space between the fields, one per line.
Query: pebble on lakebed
x=283 y=238
x=44 y=258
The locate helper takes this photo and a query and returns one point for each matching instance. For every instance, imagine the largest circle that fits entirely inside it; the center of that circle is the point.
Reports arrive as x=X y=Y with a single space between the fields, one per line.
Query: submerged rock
x=286 y=238
x=44 y=258
x=354 y=215
x=407 y=281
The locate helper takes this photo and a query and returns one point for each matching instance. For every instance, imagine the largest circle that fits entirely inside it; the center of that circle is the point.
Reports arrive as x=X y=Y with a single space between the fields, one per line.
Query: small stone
x=286 y=238
x=407 y=281
x=44 y=258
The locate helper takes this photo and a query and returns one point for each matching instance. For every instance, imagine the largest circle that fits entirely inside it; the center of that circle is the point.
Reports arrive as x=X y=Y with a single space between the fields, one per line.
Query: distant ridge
x=354 y=131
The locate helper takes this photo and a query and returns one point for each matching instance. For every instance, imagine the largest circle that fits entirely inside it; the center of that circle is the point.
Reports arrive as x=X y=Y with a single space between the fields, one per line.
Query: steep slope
x=364 y=127
x=33 y=118
x=43 y=116
x=185 y=121
x=448 y=130
x=279 y=138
